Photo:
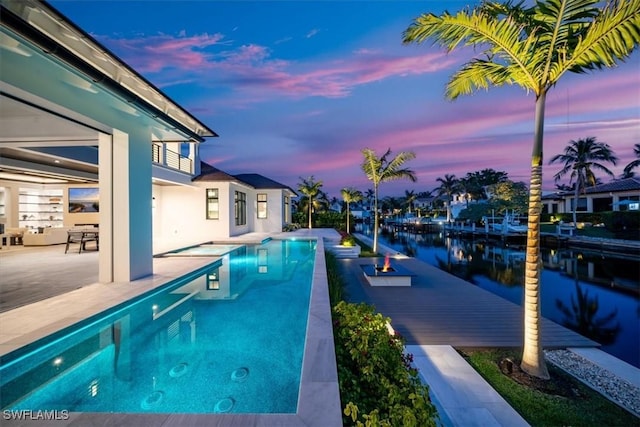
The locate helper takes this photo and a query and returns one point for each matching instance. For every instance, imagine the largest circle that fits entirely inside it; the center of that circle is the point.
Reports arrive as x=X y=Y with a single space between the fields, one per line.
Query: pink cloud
x=156 y=53
x=250 y=68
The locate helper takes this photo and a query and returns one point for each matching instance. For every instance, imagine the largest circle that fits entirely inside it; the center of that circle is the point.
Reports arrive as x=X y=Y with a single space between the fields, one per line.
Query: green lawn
x=587 y=408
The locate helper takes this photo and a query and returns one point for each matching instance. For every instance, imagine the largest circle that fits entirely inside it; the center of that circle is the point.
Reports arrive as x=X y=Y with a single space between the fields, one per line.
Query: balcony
x=171 y=159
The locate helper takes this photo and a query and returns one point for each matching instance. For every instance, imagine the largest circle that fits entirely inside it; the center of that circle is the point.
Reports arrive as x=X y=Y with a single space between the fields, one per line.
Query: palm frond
x=609 y=39
x=505 y=42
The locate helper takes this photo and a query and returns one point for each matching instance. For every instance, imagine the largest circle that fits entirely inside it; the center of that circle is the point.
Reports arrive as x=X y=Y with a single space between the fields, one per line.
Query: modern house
x=617 y=195
x=87 y=141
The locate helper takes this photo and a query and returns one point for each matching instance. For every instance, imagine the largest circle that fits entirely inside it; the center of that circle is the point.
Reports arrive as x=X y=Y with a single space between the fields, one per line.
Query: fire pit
x=386 y=275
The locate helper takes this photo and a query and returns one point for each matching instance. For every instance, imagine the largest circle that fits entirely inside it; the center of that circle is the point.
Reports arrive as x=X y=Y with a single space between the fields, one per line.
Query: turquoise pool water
x=228 y=338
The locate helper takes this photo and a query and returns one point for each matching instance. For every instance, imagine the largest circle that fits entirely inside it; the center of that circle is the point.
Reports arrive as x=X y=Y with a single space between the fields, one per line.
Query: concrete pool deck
x=318 y=401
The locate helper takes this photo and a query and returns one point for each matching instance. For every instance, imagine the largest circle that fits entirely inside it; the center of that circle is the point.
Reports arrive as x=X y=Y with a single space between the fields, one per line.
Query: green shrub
x=378 y=385
x=348 y=240
x=334 y=279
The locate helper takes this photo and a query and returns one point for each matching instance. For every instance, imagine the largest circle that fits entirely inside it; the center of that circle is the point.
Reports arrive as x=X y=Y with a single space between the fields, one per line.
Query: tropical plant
x=378 y=384
x=310 y=188
x=628 y=170
x=409 y=199
x=383 y=169
x=449 y=185
x=350 y=195
x=580 y=158
x=532 y=47
x=470 y=188
x=509 y=196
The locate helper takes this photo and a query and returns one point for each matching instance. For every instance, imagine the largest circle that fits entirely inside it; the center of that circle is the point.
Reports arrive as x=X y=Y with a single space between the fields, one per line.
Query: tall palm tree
x=532 y=47
x=628 y=170
x=310 y=188
x=382 y=169
x=580 y=158
x=350 y=195
x=449 y=185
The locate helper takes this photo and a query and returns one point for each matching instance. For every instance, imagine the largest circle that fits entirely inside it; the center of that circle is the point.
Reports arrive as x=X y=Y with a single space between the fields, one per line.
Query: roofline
x=14 y=15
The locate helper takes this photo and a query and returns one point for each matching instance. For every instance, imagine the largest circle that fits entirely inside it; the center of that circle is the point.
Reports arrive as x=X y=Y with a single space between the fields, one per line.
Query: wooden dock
x=441 y=309
x=550 y=240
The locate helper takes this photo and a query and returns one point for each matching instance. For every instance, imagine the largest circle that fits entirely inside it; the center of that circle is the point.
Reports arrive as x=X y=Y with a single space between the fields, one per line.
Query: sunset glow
x=299 y=88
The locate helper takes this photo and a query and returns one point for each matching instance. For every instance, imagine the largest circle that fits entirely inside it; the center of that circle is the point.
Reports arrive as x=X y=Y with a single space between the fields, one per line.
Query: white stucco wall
x=179 y=214
x=274 y=221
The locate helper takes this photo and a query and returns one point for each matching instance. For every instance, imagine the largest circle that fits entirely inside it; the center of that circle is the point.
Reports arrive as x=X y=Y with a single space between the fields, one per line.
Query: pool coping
x=318 y=398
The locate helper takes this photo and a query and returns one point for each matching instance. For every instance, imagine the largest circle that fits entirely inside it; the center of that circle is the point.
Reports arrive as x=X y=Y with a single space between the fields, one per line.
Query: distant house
x=218 y=205
x=617 y=195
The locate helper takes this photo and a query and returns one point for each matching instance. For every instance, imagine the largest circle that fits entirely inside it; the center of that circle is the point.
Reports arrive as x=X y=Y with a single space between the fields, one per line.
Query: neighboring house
x=360 y=211
x=617 y=195
x=423 y=204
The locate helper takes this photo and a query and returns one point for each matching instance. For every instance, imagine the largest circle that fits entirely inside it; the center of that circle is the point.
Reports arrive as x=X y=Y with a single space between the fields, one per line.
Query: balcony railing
x=171 y=159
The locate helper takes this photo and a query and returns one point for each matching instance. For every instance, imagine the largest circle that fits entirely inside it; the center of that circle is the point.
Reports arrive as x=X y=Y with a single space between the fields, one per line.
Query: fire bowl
x=395 y=276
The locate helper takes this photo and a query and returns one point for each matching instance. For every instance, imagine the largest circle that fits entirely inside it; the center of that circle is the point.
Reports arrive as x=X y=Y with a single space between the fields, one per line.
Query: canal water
x=597 y=294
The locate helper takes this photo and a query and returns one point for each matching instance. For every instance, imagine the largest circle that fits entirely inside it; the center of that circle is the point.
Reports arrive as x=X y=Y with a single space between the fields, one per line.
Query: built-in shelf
x=2 y=202
x=40 y=208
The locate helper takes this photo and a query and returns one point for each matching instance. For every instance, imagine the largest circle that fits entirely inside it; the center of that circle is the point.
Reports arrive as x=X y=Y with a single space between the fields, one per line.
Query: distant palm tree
x=532 y=47
x=368 y=195
x=382 y=169
x=580 y=158
x=449 y=185
x=409 y=199
x=628 y=170
x=350 y=195
x=310 y=188
x=470 y=187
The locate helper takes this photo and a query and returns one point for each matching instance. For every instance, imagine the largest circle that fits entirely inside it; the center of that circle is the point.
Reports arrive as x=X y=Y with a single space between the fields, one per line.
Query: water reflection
x=582 y=317
x=594 y=293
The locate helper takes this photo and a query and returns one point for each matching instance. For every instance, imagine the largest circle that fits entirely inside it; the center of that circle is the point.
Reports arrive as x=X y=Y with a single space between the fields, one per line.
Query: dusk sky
x=299 y=88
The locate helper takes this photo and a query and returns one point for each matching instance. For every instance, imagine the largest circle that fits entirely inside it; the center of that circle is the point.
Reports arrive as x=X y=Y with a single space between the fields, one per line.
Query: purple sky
x=299 y=88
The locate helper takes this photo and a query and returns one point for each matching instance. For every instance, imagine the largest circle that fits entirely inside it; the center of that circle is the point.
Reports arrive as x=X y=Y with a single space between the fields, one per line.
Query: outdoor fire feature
x=386 y=275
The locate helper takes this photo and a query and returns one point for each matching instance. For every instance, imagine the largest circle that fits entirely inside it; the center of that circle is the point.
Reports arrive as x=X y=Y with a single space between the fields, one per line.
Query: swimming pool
x=229 y=339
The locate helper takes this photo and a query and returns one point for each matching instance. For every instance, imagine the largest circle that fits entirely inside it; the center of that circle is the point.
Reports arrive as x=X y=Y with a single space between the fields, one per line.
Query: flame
x=387 y=264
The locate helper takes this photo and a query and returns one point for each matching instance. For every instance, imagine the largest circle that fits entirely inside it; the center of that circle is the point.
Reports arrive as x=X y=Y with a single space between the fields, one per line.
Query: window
x=262 y=206
x=240 y=208
x=286 y=208
x=213 y=204
x=582 y=204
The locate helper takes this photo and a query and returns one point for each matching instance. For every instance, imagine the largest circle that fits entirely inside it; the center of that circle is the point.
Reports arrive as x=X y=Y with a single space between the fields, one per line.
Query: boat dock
x=560 y=239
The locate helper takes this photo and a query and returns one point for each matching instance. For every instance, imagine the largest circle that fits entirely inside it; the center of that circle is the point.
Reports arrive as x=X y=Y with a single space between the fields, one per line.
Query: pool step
x=341 y=252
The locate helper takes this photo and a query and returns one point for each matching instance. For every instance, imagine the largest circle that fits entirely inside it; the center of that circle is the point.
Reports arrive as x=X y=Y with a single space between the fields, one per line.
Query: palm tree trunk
x=448 y=211
x=348 y=232
x=575 y=203
x=532 y=355
x=310 y=207
x=375 y=219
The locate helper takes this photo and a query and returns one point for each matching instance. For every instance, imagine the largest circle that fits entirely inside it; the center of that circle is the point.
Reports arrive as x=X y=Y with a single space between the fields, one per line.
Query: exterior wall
x=179 y=216
x=275 y=211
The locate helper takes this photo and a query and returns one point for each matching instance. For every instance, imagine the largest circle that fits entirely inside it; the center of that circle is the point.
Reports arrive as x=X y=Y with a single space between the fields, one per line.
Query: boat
x=510 y=223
